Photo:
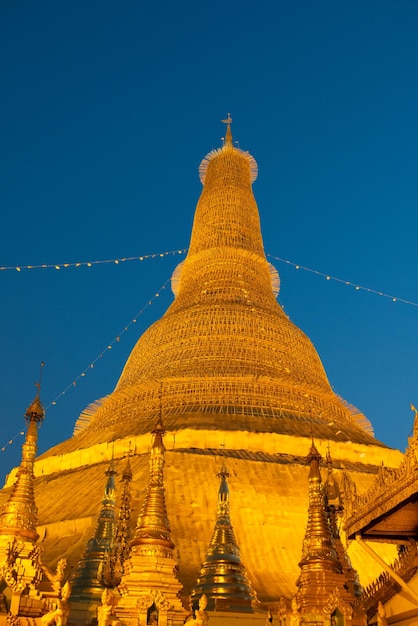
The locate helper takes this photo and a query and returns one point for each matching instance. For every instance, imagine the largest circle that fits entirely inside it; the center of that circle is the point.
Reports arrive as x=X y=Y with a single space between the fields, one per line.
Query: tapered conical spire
x=86 y=581
x=20 y=514
x=318 y=545
x=153 y=528
x=323 y=581
x=20 y=563
x=223 y=579
x=149 y=583
x=111 y=568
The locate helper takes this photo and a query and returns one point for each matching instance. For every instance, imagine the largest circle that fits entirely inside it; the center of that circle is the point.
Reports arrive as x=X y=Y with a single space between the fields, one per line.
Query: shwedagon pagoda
x=215 y=479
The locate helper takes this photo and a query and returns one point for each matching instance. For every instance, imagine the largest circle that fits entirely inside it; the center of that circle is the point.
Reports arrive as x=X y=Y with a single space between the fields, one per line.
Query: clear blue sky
x=107 y=109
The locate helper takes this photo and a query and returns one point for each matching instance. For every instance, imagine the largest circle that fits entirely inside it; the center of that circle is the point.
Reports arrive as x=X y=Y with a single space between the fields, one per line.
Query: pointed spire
x=20 y=514
x=322 y=572
x=153 y=527
x=19 y=552
x=111 y=571
x=149 y=582
x=228 y=134
x=222 y=576
x=318 y=544
x=85 y=580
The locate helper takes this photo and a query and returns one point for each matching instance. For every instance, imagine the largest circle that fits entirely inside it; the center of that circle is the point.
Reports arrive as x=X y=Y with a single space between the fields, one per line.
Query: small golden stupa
x=223 y=579
x=20 y=558
x=149 y=586
x=234 y=374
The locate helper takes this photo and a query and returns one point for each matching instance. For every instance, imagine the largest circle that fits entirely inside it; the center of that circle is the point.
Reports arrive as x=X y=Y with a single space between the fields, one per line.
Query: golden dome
x=225 y=345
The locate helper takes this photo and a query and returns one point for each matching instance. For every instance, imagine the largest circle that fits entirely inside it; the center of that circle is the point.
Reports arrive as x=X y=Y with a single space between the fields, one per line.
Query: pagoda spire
x=20 y=514
x=228 y=134
x=153 y=527
x=318 y=545
x=323 y=582
x=112 y=567
x=223 y=579
x=20 y=563
x=85 y=582
x=149 y=583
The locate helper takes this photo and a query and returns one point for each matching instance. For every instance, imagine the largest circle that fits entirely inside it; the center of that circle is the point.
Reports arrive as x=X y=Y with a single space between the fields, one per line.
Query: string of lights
x=59 y=266
x=344 y=282
x=98 y=357
x=143 y=257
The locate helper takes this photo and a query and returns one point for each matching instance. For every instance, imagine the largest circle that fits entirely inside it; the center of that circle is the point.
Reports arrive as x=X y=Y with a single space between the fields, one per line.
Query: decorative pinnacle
x=228 y=135
x=35 y=411
x=223 y=472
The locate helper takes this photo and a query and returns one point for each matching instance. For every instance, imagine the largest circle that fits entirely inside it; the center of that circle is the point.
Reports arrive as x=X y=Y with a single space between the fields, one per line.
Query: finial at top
x=223 y=472
x=35 y=411
x=228 y=135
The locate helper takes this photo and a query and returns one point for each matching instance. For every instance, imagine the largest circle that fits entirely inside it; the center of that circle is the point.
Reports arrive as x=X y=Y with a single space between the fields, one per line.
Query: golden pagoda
x=325 y=586
x=149 y=587
x=235 y=373
x=111 y=569
x=20 y=559
x=222 y=578
x=86 y=581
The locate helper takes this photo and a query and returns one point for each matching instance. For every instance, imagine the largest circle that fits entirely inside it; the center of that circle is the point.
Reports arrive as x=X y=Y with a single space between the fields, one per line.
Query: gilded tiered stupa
x=223 y=580
x=234 y=377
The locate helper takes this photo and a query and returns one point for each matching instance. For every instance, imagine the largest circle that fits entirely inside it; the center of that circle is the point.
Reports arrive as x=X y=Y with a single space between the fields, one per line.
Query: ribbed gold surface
x=224 y=346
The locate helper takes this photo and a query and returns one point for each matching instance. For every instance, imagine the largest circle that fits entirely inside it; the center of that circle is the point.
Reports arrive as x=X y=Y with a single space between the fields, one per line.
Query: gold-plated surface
x=86 y=580
x=325 y=583
x=19 y=516
x=111 y=569
x=224 y=346
x=318 y=545
x=223 y=579
x=149 y=583
x=20 y=559
x=152 y=532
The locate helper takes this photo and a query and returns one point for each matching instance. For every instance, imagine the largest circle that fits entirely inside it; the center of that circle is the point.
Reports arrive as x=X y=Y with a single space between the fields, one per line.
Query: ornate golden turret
x=149 y=584
x=85 y=582
x=318 y=551
x=223 y=579
x=110 y=573
x=323 y=582
x=153 y=528
x=20 y=564
x=20 y=515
